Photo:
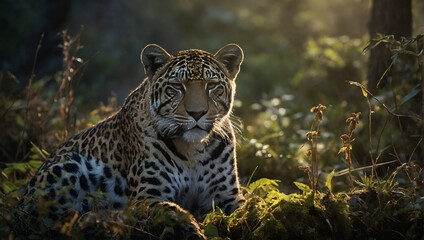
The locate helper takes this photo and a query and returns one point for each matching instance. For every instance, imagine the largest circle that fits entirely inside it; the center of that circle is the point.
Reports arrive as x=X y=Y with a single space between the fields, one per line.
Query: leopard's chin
x=195 y=135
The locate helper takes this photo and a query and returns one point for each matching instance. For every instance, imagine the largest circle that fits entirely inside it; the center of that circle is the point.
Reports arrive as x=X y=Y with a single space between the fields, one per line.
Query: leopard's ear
x=231 y=56
x=153 y=57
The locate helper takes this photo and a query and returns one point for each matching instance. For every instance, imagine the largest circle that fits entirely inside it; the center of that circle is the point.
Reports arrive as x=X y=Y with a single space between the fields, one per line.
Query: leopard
x=172 y=141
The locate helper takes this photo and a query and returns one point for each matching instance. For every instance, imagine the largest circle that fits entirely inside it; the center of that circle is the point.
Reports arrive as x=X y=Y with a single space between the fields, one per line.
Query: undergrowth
x=376 y=206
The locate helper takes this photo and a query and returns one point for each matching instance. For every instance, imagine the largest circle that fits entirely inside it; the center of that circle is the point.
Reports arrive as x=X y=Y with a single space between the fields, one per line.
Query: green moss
x=370 y=213
x=276 y=215
x=270 y=228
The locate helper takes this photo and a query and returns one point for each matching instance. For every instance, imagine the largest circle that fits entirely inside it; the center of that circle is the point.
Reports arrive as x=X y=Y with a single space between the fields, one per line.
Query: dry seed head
x=310 y=135
x=350 y=119
x=357 y=115
x=354 y=118
x=318 y=111
x=308 y=153
x=305 y=168
x=342 y=150
x=345 y=139
x=353 y=121
x=345 y=150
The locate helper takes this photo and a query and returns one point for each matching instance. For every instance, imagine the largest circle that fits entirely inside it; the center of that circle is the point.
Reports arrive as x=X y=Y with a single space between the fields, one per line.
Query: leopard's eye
x=174 y=88
x=177 y=86
x=170 y=91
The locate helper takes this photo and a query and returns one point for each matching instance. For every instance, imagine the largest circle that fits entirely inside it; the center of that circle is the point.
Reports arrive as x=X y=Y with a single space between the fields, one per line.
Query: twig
x=382 y=104
x=370 y=135
x=380 y=136
x=29 y=96
x=8 y=109
x=421 y=65
x=346 y=171
x=415 y=148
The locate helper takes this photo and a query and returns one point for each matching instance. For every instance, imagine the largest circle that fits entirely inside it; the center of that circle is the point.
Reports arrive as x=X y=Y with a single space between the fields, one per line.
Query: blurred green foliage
x=272 y=34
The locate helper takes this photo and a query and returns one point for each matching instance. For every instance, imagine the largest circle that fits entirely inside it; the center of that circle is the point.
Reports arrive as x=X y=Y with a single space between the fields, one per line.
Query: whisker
x=173 y=118
x=178 y=115
x=237 y=124
x=181 y=117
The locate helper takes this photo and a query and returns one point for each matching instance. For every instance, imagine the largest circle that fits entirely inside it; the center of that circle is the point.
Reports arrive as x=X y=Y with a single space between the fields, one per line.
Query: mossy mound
x=275 y=215
x=372 y=212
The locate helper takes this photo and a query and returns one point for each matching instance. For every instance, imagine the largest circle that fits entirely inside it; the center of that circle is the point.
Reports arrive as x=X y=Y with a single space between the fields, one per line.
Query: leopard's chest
x=194 y=182
x=197 y=190
x=205 y=184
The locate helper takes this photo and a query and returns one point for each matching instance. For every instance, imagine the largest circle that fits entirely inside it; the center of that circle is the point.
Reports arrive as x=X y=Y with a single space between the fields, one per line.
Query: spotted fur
x=172 y=140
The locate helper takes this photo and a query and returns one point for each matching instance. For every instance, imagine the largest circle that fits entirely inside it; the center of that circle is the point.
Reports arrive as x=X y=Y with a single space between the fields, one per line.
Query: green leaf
x=375 y=42
x=364 y=92
x=264 y=184
x=328 y=180
x=21 y=167
x=411 y=94
x=272 y=152
x=43 y=153
x=394 y=58
x=275 y=198
x=250 y=178
x=303 y=187
x=19 y=120
x=211 y=231
x=270 y=136
x=8 y=187
x=34 y=164
x=11 y=167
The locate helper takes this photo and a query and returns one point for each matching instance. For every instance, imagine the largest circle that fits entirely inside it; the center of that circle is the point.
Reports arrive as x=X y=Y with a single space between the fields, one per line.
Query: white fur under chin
x=195 y=135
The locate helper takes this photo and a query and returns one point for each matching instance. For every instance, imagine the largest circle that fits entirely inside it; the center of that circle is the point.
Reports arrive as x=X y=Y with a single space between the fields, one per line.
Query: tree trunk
x=388 y=17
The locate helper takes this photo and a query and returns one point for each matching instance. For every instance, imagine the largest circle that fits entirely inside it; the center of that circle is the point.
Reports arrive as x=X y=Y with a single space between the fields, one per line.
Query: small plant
x=69 y=77
x=347 y=142
x=312 y=137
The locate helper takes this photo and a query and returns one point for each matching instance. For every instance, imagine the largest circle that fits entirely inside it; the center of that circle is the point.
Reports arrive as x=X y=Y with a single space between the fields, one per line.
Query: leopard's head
x=191 y=93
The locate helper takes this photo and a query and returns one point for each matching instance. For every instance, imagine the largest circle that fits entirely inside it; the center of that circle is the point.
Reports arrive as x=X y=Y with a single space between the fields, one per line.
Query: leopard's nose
x=196 y=115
